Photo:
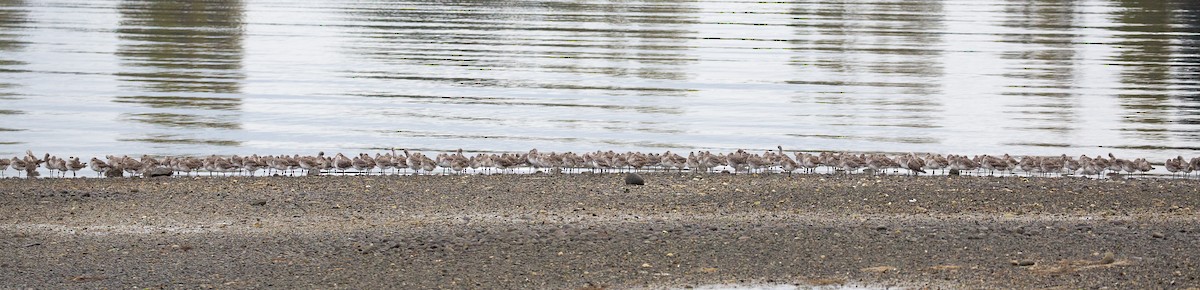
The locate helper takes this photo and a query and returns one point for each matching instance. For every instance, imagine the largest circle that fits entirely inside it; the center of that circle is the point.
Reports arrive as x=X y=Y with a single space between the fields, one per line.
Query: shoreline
x=572 y=231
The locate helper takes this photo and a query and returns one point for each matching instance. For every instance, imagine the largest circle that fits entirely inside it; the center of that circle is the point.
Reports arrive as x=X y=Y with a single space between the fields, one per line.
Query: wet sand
x=576 y=231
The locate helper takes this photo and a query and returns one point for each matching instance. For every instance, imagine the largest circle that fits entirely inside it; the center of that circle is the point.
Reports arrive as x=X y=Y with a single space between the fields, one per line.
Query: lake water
x=89 y=78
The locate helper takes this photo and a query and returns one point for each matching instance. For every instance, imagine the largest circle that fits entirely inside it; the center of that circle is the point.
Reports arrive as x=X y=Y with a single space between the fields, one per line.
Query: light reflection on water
x=281 y=77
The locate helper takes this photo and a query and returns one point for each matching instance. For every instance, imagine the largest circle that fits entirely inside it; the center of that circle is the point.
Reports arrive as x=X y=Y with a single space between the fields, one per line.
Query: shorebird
x=19 y=165
x=1193 y=165
x=912 y=163
x=935 y=162
x=636 y=160
x=808 y=161
x=74 y=165
x=671 y=160
x=413 y=160
x=1051 y=165
x=341 y=162
x=460 y=162
x=786 y=162
x=384 y=162
x=1142 y=165
x=1071 y=165
x=1175 y=165
x=4 y=165
x=99 y=166
x=363 y=162
x=737 y=160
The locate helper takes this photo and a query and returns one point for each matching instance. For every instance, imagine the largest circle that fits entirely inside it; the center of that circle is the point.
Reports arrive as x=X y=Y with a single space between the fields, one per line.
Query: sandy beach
x=591 y=230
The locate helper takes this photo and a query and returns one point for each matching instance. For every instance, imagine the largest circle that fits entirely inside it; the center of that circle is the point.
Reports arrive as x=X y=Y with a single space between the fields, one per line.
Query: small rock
x=879 y=269
x=955 y=172
x=1109 y=258
x=635 y=179
x=258 y=202
x=1022 y=263
x=1158 y=235
x=158 y=172
x=881 y=228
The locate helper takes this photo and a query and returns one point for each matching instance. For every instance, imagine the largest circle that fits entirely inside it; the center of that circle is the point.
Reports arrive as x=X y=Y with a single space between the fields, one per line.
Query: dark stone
x=1023 y=263
x=158 y=172
x=258 y=202
x=634 y=179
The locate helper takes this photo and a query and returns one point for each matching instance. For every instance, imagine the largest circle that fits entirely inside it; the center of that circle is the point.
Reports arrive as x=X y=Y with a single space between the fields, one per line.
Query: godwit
x=428 y=165
x=877 y=162
x=341 y=162
x=31 y=164
x=912 y=163
x=192 y=164
x=1193 y=165
x=1070 y=165
x=412 y=160
x=1142 y=165
x=1175 y=165
x=460 y=162
x=636 y=160
x=786 y=162
x=673 y=161
x=401 y=162
x=384 y=162
x=309 y=163
x=935 y=162
x=19 y=165
x=808 y=161
x=99 y=166
x=755 y=161
x=616 y=160
x=572 y=161
x=74 y=165
x=737 y=160
x=149 y=161
x=1051 y=165
x=1029 y=164
x=654 y=160
x=54 y=163
x=534 y=158
x=4 y=165
x=363 y=162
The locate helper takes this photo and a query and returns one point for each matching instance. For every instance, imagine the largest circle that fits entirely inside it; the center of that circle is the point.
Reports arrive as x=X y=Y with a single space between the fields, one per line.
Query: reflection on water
x=284 y=76
x=1147 y=40
x=12 y=17
x=863 y=71
x=184 y=59
x=1043 y=78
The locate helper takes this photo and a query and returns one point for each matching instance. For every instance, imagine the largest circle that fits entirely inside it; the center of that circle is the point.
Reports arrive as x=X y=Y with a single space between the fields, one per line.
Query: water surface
x=90 y=78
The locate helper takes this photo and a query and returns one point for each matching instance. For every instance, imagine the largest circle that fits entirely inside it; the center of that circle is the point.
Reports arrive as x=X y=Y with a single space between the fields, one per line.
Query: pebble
x=258 y=202
x=1022 y=263
x=1158 y=235
x=634 y=179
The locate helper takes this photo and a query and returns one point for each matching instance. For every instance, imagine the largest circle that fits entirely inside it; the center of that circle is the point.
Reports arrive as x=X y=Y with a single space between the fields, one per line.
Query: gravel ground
x=592 y=230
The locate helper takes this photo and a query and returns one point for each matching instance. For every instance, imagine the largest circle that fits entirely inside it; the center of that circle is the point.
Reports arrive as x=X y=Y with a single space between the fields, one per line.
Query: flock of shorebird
x=599 y=161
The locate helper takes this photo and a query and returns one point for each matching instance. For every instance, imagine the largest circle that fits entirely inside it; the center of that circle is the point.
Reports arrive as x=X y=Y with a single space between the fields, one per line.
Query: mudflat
x=594 y=231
